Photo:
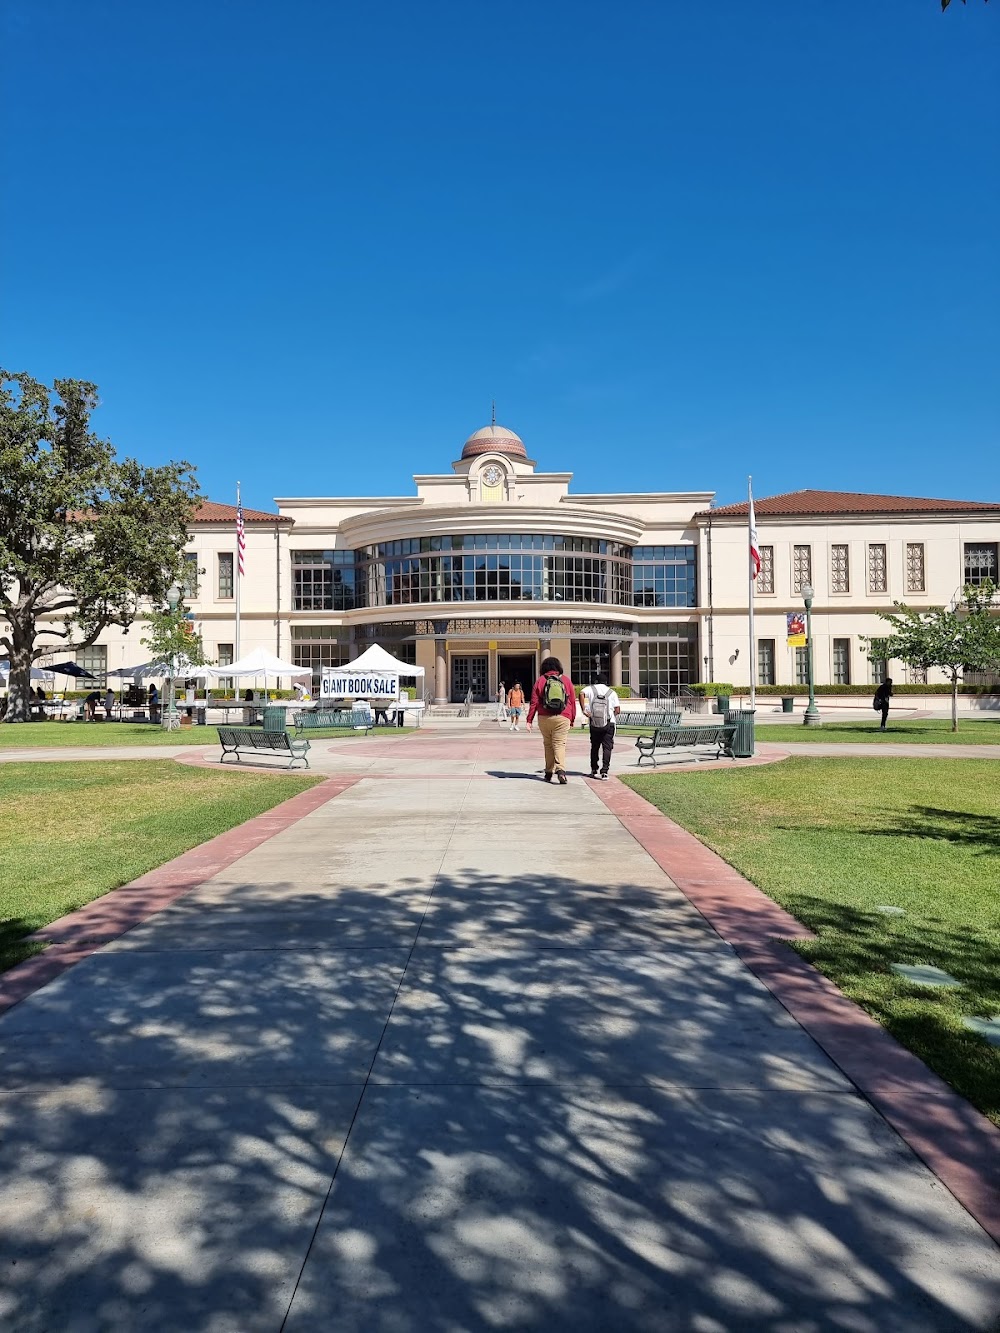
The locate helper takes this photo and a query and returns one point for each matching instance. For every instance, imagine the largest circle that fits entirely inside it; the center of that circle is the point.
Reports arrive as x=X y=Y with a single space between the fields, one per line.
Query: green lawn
x=71 y=831
x=53 y=735
x=833 y=839
x=924 y=731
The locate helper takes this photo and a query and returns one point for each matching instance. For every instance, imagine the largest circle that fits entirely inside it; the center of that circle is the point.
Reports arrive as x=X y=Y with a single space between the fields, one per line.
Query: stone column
x=633 y=663
x=440 y=672
x=616 y=663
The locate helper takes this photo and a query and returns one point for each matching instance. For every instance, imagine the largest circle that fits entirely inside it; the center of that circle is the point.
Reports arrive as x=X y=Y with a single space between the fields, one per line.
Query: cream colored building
x=490 y=565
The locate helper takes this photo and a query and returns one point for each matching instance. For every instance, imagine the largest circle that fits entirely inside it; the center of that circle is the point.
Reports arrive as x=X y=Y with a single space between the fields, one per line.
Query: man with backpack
x=602 y=706
x=553 y=702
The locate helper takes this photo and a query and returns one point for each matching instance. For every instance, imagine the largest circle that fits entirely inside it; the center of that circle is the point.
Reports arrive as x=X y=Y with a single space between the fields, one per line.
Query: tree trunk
x=954 y=701
x=19 y=689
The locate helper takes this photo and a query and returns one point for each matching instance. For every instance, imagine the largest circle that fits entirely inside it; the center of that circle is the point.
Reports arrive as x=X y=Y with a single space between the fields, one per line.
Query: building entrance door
x=513 y=667
x=470 y=673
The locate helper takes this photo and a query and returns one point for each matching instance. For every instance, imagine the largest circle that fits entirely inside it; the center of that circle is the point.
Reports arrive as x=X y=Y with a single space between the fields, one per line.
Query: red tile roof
x=818 y=504
x=209 y=511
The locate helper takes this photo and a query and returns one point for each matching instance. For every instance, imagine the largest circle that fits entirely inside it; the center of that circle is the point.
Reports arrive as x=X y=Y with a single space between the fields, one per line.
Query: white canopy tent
x=258 y=663
x=181 y=669
x=37 y=673
x=377 y=659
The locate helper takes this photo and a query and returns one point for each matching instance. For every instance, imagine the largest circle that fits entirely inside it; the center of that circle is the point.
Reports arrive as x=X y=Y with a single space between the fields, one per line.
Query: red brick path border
x=80 y=933
x=955 y=1141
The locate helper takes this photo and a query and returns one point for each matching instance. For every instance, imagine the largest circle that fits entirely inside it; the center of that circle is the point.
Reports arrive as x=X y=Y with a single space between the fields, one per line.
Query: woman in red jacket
x=553 y=700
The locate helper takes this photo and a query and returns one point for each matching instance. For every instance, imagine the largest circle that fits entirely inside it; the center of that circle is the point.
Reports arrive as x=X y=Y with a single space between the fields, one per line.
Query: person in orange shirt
x=515 y=705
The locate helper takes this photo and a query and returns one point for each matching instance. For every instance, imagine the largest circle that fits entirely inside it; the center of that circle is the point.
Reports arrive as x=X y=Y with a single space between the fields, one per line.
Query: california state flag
x=754 y=544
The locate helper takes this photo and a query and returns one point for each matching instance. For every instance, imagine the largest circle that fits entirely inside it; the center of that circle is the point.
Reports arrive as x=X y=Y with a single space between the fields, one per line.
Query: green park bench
x=652 y=718
x=354 y=718
x=720 y=735
x=243 y=740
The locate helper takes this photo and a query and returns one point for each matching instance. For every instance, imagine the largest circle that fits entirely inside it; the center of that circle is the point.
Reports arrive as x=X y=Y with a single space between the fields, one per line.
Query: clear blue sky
x=305 y=243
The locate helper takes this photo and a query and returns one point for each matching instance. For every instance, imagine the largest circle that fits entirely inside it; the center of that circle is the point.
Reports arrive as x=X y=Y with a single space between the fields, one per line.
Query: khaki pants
x=554 y=731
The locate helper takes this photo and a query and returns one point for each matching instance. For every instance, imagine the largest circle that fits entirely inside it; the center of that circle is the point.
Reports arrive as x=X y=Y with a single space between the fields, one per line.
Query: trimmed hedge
x=709 y=688
x=623 y=691
x=803 y=690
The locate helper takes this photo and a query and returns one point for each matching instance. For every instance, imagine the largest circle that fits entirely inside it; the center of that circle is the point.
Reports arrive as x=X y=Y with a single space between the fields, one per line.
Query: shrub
x=710 y=688
x=803 y=690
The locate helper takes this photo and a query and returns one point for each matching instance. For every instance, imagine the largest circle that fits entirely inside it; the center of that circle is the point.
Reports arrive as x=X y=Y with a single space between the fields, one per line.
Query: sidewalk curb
x=78 y=934
x=954 y=1140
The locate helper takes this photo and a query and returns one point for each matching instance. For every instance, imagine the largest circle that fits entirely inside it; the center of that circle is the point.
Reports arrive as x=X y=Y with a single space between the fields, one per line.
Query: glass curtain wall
x=668 y=659
x=664 y=576
x=318 y=646
x=324 y=581
x=494 y=567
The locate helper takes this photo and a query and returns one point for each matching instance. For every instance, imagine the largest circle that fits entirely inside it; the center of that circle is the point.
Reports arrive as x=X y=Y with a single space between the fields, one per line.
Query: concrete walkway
x=451 y=1052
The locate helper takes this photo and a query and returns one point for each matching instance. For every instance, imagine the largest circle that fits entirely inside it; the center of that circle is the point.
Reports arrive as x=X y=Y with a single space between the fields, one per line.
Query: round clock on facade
x=492 y=475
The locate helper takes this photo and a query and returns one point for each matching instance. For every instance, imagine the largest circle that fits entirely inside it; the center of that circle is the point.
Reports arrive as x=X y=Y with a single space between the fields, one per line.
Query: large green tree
x=966 y=636
x=85 y=537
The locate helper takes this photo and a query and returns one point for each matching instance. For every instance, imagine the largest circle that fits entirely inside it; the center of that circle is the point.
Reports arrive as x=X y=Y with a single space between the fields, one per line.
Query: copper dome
x=494 y=440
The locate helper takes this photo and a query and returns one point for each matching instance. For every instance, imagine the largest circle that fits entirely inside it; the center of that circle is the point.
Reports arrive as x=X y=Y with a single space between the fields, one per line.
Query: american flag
x=241 y=541
x=754 y=544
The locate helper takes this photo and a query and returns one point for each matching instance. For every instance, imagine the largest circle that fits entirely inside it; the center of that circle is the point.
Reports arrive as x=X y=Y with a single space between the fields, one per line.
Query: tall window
x=802 y=571
x=668 y=662
x=880 y=669
x=224 y=656
x=317 y=646
x=94 y=660
x=189 y=576
x=324 y=581
x=225 y=574
x=663 y=576
x=915 y=567
x=841 y=661
x=840 y=573
x=765 y=579
x=980 y=562
x=802 y=666
x=588 y=656
x=916 y=675
x=765 y=662
x=878 y=568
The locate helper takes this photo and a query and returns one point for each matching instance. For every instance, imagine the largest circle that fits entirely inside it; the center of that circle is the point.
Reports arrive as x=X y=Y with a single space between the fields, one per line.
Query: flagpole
x=239 y=580
x=751 y=536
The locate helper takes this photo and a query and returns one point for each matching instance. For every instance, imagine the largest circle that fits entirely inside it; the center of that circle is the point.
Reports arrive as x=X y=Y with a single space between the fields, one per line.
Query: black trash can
x=788 y=703
x=722 y=703
x=199 y=716
x=743 y=741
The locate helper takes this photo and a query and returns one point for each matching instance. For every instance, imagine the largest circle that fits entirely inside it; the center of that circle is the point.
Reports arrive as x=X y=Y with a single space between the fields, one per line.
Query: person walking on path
x=501 y=704
x=881 y=701
x=553 y=702
x=602 y=706
x=515 y=705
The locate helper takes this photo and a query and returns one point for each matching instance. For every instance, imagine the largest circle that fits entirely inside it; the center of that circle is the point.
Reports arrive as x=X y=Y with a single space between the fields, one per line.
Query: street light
x=811 y=717
x=171 y=721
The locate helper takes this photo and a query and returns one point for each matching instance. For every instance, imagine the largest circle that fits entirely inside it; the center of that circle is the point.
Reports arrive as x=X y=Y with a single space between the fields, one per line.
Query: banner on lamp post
x=796 y=629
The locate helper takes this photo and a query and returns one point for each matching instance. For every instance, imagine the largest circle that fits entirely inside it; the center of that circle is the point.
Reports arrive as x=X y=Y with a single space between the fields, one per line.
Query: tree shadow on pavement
x=569 y=1107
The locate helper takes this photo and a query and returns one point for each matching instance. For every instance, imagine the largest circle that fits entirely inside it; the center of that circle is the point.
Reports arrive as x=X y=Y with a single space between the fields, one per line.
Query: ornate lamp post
x=811 y=717
x=171 y=720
